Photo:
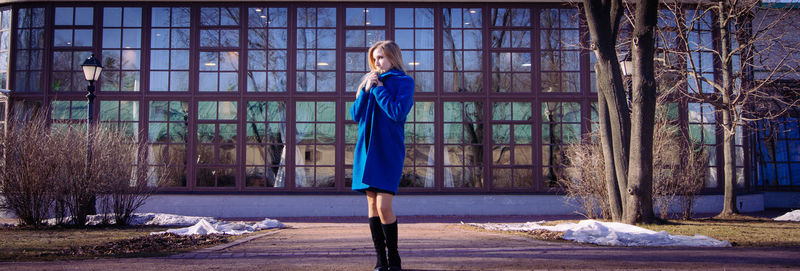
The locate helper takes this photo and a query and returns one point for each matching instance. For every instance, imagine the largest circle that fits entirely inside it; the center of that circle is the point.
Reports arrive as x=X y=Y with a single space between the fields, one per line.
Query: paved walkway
x=437 y=244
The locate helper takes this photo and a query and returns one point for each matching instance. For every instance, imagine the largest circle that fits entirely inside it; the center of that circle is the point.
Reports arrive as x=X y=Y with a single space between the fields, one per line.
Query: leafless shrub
x=44 y=173
x=585 y=184
x=123 y=163
x=679 y=170
x=27 y=170
x=679 y=167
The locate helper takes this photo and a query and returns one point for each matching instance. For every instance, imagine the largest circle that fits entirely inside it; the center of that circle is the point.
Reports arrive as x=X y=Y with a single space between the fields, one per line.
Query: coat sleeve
x=359 y=106
x=398 y=105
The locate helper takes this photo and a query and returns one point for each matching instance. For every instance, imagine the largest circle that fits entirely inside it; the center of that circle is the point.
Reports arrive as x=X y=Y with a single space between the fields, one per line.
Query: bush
x=27 y=172
x=679 y=167
x=44 y=173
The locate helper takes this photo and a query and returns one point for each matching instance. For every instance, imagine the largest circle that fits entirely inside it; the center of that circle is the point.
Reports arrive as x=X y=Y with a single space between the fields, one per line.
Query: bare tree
x=628 y=170
x=754 y=51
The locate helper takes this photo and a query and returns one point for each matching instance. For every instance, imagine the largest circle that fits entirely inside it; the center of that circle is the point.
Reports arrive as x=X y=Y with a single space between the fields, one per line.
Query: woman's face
x=381 y=62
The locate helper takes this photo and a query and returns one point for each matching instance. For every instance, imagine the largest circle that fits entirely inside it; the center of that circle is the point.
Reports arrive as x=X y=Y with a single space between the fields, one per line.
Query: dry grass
x=740 y=230
x=20 y=244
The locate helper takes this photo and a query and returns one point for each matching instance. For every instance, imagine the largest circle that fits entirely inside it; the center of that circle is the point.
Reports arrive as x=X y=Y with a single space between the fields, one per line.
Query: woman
x=383 y=100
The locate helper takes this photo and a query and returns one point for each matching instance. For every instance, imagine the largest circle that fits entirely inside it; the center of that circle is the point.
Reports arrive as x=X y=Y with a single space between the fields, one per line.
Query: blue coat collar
x=390 y=73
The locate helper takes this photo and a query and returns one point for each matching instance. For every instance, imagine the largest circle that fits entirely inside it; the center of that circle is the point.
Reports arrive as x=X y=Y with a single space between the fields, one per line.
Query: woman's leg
x=389 y=228
x=384 y=206
x=376 y=229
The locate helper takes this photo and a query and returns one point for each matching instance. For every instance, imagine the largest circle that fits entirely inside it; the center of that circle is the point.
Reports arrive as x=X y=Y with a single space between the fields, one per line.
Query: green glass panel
x=501 y=133
x=424 y=133
x=522 y=111
x=453 y=133
x=423 y=111
x=79 y=110
x=109 y=110
x=256 y=132
x=157 y=132
x=205 y=133
x=158 y=111
x=178 y=111
x=227 y=133
x=351 y=133
x=129 y=110
x=522 y=134
x=326 y=111
x=326 y=133
x=347 y=106
x=177 y=132
x=305 y=111
x=571 y=132
x=571 y=111
x=256 y=111
x=453 y=111
x=207 y=110
x=501 y=111
x=276 y=111
x=305 y=132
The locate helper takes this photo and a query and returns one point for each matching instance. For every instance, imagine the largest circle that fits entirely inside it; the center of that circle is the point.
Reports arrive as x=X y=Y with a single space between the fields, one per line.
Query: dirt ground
x=433 y=244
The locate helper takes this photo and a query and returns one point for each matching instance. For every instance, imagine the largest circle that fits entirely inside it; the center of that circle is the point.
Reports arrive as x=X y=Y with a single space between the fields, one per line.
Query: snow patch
x=790 y=216
x=204 y=226
x=612 y=234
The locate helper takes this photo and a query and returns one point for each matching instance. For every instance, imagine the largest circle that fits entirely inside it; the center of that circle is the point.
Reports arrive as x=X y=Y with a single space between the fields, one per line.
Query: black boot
x=379 y=241
x=390 y=230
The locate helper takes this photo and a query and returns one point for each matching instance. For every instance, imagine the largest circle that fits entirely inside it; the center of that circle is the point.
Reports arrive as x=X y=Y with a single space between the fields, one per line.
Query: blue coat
x=381 y=115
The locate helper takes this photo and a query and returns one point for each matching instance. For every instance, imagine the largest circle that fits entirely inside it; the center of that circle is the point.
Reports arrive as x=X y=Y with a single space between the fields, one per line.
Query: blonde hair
x=390 y=51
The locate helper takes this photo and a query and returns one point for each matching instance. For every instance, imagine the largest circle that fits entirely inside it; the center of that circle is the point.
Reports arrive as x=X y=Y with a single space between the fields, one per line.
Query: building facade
x=252 y=98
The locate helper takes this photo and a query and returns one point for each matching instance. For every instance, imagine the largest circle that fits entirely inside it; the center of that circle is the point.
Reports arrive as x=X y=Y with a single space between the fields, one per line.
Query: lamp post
x=91 y=72
x=626 y=66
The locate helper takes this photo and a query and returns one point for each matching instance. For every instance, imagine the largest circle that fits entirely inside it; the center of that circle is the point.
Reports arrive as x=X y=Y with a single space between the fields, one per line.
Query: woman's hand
x=372 y=79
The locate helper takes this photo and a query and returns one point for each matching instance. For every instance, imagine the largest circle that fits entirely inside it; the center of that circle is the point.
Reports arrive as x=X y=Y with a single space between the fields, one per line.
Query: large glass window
x=511 y=44
x=266 y=54
x=5 y=46
x=701 y=48
x=217 y=140
x=72 y=44
x=30 y=49
x=169 y=54
x=462 y=45
x=463 y=127
x=418 y=168
x=364 y=27
x=702 y=130
x=414 y=34
x=559 y=43
x=316 y=49
x=219 y=50
x=168 y=123
x=512 y=145
x=122 y=116
x=122 y=43
x=265 y=162
x=777 y=144
x=315 y=154
x=561 y=125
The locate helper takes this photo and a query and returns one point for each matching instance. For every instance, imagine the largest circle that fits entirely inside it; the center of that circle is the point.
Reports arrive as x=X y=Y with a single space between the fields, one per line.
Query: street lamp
x=91 y=72
x=626 y=66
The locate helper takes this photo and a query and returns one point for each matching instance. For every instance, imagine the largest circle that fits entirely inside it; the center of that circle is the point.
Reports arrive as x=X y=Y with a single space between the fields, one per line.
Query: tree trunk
x=729 y=127
x=639 y=206
x=603 y=22
x=612 y=188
